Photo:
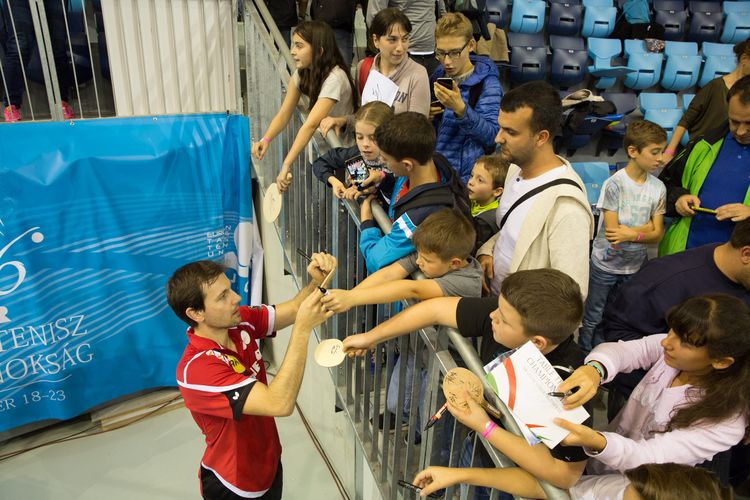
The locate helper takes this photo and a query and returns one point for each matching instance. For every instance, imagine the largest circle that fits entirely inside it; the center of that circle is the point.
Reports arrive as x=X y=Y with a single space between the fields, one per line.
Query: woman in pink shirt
x=692 y=404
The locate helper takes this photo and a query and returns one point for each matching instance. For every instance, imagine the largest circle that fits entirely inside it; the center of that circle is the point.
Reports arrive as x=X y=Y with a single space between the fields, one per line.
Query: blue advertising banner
x=94 y=217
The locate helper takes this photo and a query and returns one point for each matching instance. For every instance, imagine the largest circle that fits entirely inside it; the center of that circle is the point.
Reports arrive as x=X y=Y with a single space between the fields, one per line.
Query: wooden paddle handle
x=490 y=409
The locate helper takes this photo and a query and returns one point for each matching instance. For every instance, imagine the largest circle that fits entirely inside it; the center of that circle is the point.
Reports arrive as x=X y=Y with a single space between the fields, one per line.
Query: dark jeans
x=603 y=286
x=20 y=42
x=344 y=39
x=213 y=489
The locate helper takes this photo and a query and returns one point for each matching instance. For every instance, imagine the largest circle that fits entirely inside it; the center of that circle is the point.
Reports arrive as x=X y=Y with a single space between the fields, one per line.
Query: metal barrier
x=313 y=219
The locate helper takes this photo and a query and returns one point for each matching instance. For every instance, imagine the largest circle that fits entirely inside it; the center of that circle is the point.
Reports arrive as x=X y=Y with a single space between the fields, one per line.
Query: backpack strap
x=364 y=72
x=535 y=192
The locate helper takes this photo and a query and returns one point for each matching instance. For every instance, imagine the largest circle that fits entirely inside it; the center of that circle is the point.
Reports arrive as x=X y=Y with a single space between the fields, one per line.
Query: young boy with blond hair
x=485 y=187
x=632 y=206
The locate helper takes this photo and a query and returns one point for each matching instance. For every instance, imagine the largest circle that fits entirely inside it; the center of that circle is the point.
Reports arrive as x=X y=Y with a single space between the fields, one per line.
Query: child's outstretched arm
x=342 y=300
x=513 y=480
x=440 y=311
x=537 y=459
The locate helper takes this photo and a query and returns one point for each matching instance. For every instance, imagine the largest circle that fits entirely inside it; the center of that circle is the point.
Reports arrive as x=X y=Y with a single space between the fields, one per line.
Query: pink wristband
x=488 y=428
x=669 y=152
x=266 y=140
x=639 y=237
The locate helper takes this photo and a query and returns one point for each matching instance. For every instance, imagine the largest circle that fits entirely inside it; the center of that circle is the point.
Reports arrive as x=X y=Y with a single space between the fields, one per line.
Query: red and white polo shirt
x=242 y=450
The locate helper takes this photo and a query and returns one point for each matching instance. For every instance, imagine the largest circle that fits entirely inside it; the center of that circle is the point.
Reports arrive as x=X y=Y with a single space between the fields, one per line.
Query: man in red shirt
x=222 y=377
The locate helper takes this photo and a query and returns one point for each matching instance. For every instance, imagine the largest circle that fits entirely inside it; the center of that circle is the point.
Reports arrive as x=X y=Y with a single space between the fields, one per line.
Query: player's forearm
x=285 y=386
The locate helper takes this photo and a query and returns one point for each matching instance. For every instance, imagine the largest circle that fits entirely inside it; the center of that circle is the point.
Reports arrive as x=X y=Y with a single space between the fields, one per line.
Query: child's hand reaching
x=351 y=193
x=338 y=301
x=339 y=190
x=587 y=380
x=581 y=435
x=358 y=345
x=433 y=479
x=470 y=413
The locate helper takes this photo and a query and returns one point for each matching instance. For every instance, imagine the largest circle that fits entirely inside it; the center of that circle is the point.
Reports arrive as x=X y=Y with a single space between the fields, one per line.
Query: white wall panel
x=172 y=56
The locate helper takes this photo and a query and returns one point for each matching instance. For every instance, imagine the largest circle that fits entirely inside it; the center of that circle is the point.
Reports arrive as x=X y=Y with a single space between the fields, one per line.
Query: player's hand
x=735 y=212
x=434 y=478
x=320 y=265
x=338 y=301
x=488 y=267
x=581 y=435
x=469 y=412
x=284 y=179
x=587 y=380
x=311 y=312
x=330 y=122
x=682 y=205
x=620 y=234
x=259 y=149
x=358 y=345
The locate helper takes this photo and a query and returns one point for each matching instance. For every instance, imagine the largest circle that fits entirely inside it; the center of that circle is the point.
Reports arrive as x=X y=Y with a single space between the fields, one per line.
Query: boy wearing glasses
x=466 y=96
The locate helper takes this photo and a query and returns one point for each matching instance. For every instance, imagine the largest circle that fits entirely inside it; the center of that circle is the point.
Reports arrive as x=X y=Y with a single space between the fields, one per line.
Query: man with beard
x=544 y=216
x=222 y=377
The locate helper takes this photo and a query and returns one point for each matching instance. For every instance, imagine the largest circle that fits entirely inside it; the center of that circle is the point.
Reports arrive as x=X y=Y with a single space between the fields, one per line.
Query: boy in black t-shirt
x=543 y=306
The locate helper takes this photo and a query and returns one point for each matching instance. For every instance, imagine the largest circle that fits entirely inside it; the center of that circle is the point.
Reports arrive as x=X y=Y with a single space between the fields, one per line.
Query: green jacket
x=685 y=174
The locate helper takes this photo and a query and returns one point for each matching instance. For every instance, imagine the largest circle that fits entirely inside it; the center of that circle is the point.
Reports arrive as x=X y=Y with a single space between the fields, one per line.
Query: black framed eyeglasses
x=453 y=54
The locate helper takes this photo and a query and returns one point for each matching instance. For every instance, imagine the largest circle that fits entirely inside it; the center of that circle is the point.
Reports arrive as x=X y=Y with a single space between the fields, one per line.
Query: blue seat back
x=604 y=49
x=593 y=174
x=665 y=118
x=720 y=61
x=683 y=65
x=686 y=100
x=646 y=66
x=527 y=16
x=598 y=21
x=564 y=19
x=705 y=26
x=657 y=100
x=569 y=58
x=674 y=22
x=528 y=57
x=736 y=26
x=497 y=12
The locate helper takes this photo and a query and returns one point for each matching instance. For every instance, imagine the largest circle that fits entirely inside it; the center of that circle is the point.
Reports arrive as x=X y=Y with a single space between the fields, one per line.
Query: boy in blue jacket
x=425 y=183
x=465 y=113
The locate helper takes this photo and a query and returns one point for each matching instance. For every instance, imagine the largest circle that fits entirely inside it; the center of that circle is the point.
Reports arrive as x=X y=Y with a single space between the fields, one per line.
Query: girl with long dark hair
x=323 y=77
x=692 y=404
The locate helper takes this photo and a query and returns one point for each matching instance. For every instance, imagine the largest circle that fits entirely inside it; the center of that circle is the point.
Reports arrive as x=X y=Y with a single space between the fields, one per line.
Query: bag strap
x=364 y=72
x=535 y=192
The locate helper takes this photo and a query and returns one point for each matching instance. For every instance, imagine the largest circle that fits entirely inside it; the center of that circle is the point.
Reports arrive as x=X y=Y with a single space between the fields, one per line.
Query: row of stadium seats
x=728 y=22
x=685 y=67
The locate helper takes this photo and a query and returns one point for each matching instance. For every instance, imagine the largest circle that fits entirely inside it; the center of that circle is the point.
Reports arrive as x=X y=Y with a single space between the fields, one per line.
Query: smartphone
x=437 y=104
x=446 y=82
x=702 y=210
x=357 y=170
x=413 y=488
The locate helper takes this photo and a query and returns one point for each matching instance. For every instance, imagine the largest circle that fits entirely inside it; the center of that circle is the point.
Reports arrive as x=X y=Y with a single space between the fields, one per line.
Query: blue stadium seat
x=528 y=57
x=737 y=22
x=527 y=16
x=593 y=174
x=569 y=60
x=686 y=100
x=646 y=66
x=497 y=12
x=672 y=15
x=602 y=50
x=598 y=18
x=662 y=109
x=706 y=19
x=683 y=65
x=565 y=17
x=657 y=100
x=720 y=61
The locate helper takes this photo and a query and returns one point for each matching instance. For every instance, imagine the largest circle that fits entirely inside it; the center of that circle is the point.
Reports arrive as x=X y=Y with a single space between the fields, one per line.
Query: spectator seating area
x=567 y=42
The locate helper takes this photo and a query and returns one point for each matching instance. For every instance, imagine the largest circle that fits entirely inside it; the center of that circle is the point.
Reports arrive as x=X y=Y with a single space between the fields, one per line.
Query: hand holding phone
x=445 y=82
x=702 y=210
